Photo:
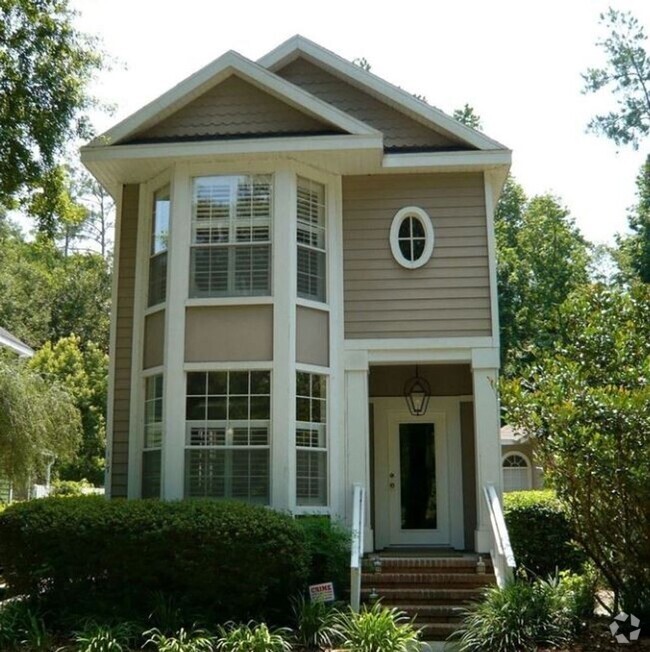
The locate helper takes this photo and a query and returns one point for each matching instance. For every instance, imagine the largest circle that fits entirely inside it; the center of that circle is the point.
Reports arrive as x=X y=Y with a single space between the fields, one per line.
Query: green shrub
x=70 y=487
x=540 y=532
x=328 y=543
x=315 y=623
x=376 y=629
x=22 y=625
x=195 y=640
x=252 y=638
x=523 y=616
x=97 y=637
x=227 y=559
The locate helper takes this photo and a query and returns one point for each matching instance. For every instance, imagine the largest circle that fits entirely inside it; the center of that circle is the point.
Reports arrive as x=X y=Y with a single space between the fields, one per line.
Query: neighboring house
x=518 y=461
x=11 y=342
x=296 y=241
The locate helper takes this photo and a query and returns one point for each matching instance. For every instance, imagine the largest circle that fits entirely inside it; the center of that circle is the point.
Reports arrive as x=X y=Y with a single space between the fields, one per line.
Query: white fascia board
x=95 y=154
x=426 y=160
x=16 y=346
x=398 y=98
x=228 y=64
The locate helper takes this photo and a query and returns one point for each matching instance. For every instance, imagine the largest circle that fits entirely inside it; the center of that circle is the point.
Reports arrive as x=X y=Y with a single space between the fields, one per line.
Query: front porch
x=424 y=476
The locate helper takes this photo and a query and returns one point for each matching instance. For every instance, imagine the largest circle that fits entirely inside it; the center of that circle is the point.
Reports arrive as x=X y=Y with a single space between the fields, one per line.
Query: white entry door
x=417 y=480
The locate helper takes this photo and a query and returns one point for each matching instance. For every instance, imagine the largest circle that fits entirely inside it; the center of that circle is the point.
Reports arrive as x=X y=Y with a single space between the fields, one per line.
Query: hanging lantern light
x=417 y=393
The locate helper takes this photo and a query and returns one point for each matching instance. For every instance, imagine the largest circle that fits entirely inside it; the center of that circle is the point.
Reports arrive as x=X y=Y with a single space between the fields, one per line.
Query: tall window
x=153 y=428
x=311 y=240
x=227 y=437
x=311 y=439
x=231 y=236
x=158 y=248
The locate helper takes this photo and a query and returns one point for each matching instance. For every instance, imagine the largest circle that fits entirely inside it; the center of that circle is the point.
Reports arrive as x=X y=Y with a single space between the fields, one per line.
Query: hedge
x=540 y=532
x=223 y=559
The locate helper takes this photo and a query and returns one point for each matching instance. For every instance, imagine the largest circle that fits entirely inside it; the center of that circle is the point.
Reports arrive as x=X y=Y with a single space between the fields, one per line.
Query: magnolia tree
x=38 y=420
x=587 y=404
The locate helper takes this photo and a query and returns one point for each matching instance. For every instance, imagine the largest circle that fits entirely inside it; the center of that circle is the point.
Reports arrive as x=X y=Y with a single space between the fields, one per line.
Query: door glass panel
x=418 y=499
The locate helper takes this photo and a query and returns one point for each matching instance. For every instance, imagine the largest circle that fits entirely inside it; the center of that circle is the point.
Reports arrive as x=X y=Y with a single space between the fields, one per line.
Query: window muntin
x=412 y=237
x=311 y=439
x=231 y=236
x=158 y=247
x=153 y=439
x=311 y=239
x=516 y=472
x=228 y=417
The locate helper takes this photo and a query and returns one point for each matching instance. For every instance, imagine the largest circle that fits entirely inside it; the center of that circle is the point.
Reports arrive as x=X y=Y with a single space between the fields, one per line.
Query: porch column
x=357 y=439
x=485 y=374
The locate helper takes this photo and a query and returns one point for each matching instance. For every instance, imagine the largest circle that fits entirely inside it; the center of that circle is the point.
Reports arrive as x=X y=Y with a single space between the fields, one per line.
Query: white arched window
x=411 y=237
x=516 y=472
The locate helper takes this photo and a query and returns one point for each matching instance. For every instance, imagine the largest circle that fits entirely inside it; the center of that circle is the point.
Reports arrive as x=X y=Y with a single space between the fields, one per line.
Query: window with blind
x=311 y=240
x=311 y=439
x=158 y=247
x=231 y=236
x=227 y=452
x=153 y=429
x=516 y=473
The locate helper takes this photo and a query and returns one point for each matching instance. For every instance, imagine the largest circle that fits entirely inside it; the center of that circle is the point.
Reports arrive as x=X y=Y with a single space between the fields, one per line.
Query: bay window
x=153 y=436
x=228 y=435
x=158 y=247
x=311 y=240
x=231 y=236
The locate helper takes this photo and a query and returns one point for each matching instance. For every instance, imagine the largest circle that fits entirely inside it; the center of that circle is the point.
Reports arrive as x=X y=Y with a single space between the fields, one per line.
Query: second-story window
x=311 y=240
x=158 y=247
x=231 y=236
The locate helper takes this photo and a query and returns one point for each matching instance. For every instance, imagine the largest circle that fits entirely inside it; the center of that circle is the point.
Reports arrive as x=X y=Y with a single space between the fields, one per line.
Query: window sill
x=229 y=301
x=306 y=510
x=153 y=309
x=315 y=305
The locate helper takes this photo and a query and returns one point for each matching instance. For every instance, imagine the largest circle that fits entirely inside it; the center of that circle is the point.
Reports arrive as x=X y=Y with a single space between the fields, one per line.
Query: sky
x=518 y=63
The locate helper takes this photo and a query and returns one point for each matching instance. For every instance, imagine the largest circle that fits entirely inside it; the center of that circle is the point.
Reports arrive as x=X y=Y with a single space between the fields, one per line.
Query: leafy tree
x=587 y=404
x=633 y=255
x=626 y=73
x=46 y=65
x=99 y=221
x=468 y=116
x=83 y=373
x=37 y=419
x=541 y=259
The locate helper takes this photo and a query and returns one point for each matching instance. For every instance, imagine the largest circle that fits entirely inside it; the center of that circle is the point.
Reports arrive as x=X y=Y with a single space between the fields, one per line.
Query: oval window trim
x=423 y=217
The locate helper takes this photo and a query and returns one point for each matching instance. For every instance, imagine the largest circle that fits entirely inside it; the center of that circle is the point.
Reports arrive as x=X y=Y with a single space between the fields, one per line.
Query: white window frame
x=529 y=468
x=153 y=254
x=423 y=217
x=156 y=447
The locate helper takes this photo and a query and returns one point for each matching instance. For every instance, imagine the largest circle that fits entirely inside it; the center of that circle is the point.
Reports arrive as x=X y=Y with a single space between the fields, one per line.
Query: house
x=518 y=461
x=300 y=247
x=13 y=344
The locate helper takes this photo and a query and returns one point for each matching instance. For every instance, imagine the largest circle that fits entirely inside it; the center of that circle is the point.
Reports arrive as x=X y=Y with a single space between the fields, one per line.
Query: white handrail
x=503 y=558
x=356 y=555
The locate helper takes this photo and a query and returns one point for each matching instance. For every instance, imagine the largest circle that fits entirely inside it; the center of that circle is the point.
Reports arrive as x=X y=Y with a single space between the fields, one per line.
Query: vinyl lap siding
x=234 y=107
x=123 y=341
x=400 y=131
x=447 y=297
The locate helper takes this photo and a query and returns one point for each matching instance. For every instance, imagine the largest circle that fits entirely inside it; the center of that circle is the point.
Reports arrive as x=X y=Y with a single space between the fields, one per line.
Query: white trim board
x=299 y=46
x=16 y=346
x=228 y=64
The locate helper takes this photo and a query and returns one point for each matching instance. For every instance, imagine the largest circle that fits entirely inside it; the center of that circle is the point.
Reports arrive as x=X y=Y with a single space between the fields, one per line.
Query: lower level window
x=227 y=435
x=153 y=421
x=311 y=439
x=516 y=473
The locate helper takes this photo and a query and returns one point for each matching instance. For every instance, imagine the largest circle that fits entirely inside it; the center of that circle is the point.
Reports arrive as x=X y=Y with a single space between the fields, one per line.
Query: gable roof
x=10 y=341
x=231 y=63
x=301 y=47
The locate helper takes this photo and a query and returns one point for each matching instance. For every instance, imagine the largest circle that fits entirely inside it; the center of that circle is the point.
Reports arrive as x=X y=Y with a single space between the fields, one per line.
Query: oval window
x=411 y=237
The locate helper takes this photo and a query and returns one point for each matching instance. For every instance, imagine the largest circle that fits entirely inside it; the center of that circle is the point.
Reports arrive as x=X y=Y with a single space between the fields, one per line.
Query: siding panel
x=447 y=297
x=234 y=107
x=123 y=340
x=400 y=131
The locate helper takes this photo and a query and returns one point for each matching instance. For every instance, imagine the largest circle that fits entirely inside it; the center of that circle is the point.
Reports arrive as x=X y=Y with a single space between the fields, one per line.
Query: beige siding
x=229 y=334
x=400 y=131
x=154 y=340
x=444 y=379
x=468 y=452
x=234 y=107
x=123 y=340
x=447 y=297
x=312 y=336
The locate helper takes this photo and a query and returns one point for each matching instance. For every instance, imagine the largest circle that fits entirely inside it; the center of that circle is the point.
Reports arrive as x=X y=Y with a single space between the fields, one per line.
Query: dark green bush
x=328 y=543
x=226 y=560
x=540 y=532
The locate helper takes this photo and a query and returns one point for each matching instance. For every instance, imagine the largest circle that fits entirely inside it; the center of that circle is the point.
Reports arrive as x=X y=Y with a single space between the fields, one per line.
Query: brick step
x=426 y=613
x=404 y=579
x=428 y=564
x=432 y=596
